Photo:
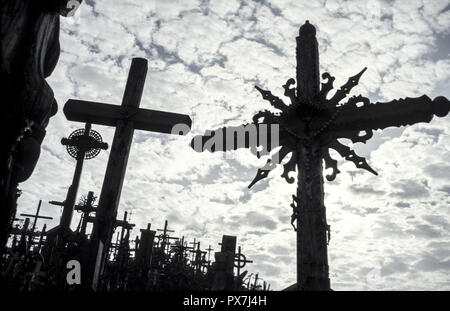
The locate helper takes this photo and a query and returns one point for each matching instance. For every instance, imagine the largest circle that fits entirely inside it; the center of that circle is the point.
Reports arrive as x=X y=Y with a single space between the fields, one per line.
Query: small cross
x=240 y=262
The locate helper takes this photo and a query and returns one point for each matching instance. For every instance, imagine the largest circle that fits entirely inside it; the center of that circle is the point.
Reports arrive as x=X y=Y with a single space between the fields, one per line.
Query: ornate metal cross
x=86 y=207
x=308 y=128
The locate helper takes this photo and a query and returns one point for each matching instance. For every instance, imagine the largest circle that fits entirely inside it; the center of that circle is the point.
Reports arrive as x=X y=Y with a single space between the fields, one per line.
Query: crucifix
x=306 y=129
x=126 y=118
x=86 y=207
x=164 y=237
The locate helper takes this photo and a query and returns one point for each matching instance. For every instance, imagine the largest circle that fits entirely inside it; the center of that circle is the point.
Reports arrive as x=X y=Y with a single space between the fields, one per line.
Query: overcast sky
x=388 y=232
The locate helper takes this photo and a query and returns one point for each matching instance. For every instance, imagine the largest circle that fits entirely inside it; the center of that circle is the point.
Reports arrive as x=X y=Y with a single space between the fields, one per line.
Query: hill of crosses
x=34 y=258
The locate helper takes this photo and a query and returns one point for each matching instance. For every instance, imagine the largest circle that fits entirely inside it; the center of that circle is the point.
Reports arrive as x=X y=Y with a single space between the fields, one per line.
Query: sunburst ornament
x=300 y=122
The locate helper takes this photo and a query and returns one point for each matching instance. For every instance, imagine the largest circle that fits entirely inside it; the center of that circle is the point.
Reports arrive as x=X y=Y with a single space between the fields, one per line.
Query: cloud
x=441 y=171
x=256 y=219
x=410 y=189
x=431 y=264
x=403 y=205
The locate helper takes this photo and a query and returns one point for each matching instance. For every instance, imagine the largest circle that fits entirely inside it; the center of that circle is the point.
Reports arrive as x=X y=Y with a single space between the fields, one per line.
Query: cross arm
x=36 y=216
x=109 y=115
x=124 y=224
x=56 y=203
x=397 y=113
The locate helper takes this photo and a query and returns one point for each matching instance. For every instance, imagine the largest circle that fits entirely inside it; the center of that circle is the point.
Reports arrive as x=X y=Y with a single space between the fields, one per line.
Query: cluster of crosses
x=155 y=260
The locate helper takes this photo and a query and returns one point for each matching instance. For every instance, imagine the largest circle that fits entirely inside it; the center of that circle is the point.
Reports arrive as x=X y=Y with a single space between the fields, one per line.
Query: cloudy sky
x=388 y=232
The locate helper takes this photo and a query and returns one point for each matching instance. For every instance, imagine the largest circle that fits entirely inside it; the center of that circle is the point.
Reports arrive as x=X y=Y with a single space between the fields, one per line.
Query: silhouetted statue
x=29 y=52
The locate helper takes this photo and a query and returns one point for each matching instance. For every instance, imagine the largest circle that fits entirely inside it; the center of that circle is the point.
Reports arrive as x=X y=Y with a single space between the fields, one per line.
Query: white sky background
x=388 y=232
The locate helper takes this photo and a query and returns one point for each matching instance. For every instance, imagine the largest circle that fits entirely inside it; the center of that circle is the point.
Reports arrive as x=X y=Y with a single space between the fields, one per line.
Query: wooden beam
x=109 y=115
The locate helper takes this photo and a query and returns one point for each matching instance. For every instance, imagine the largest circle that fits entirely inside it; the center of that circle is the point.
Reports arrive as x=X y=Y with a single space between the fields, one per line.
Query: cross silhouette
x=307 y=129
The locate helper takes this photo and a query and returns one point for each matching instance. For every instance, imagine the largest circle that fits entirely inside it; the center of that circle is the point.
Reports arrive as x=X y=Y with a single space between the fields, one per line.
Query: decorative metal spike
x=350 y=155
x=346 y=88
x=261 y=174
x=270 y=165
x=274 y=101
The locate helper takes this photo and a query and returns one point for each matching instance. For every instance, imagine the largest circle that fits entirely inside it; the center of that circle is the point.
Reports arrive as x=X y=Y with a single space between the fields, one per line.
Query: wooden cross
x=307 y=129
x=196 y=255
x=240 y=262
x=36 y=216
x=180 y=249
x=80 y=145
x=126 y=118
x=164 y=236
x=86 y=208
x=91 y=219
x=125 y=224
x=195 y=246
